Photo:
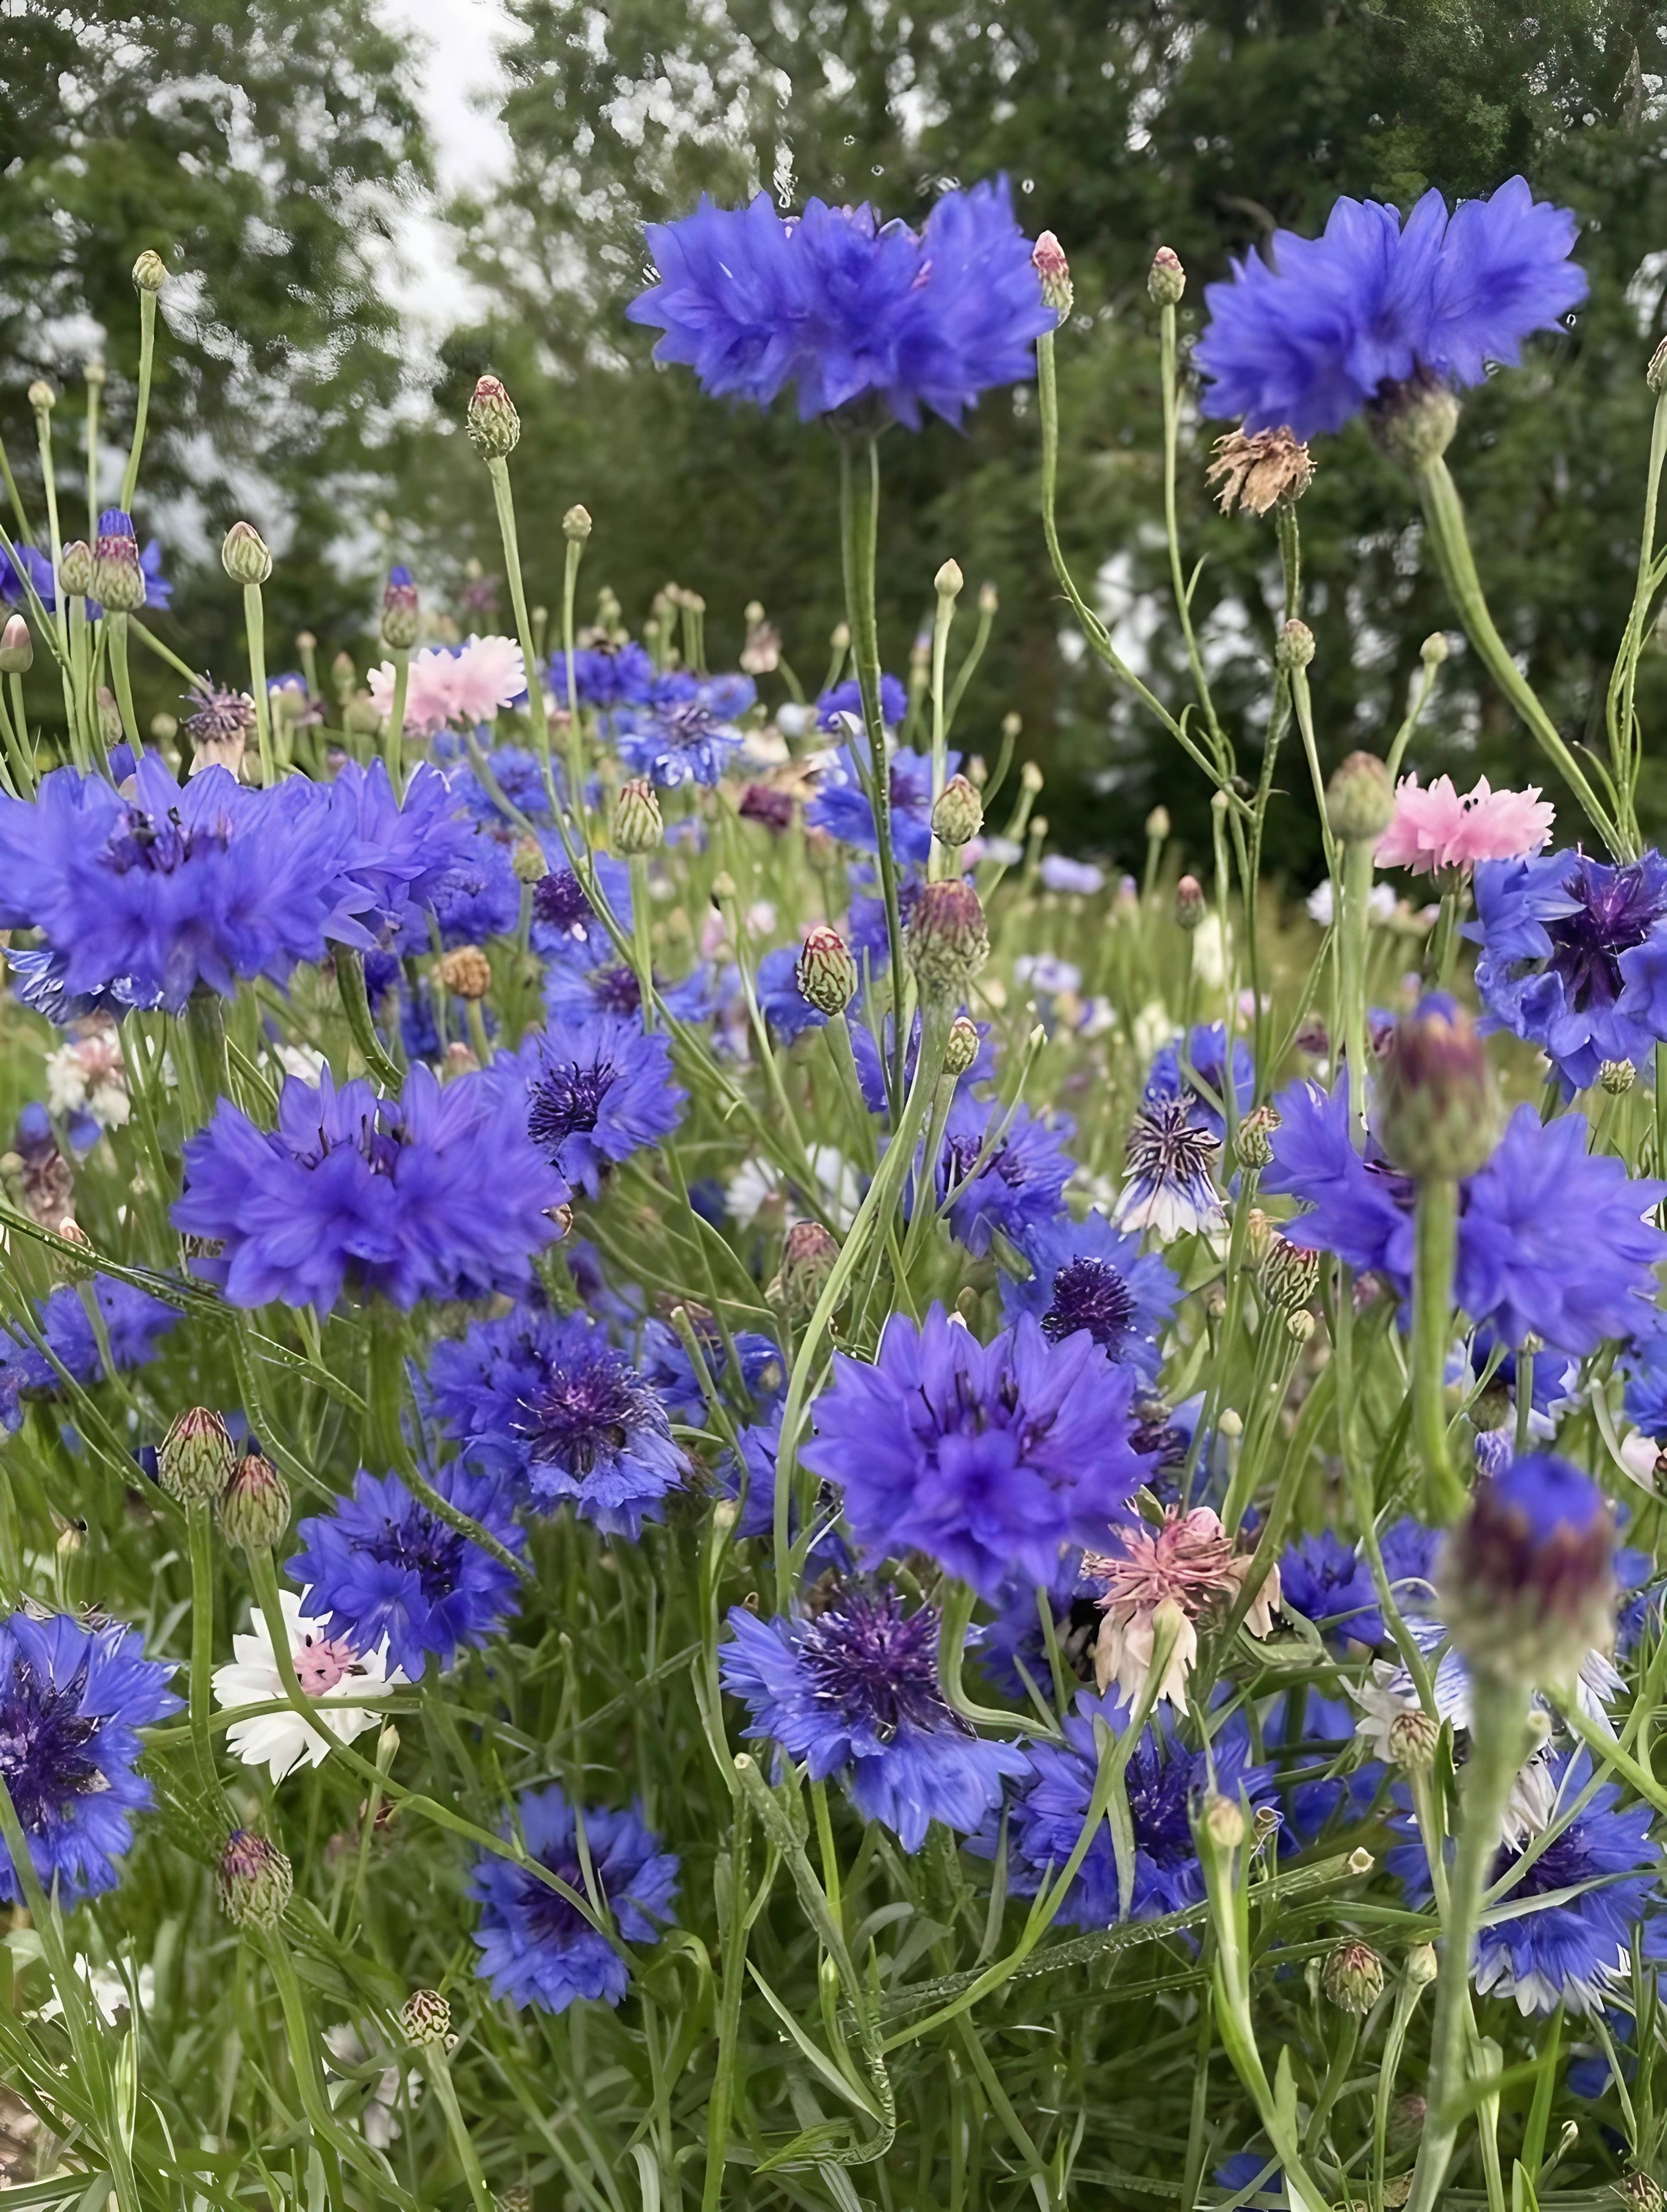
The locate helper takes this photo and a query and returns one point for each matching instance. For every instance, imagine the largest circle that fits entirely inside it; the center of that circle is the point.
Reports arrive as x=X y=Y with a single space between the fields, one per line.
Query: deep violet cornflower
x=846 y=307
x=385 y=1565
x=1046 y=1817
x=595 y=1092
x=133 y=1321
x=846 y=698
x=604 y=676
x=537 y=1948
x=566 y=926
x=23 y=561
x=842 y=808
x=478 y=896
x=405 y=848
x=549 y=1404
x=1550 y=1237
x=1086 y=1274
x=140 y=899
x=439 y=1192
x=1202 y=1082
x=856 y=1691
x=686 y=732
x=991 y=1458
x=72 y=1700
x=755 y=1466
x=1329 y=1583
x=1018 y=1190
x=1574 y=958
x=1326 y=327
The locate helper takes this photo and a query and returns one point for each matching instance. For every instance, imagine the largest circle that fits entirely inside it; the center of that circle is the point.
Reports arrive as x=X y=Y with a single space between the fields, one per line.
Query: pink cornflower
x=460 y=683
x=428 y=690
x=1435 y=829
x=1167 y=1579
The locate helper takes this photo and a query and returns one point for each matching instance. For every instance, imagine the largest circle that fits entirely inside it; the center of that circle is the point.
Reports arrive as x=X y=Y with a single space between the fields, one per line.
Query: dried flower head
x=1258 y=470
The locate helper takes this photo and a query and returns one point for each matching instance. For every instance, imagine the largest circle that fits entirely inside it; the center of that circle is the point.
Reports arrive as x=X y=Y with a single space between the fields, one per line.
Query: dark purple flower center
x=549 y=1916
x=1619 y=908
x=1158 y=1790
x=559 y=902
x=44 y=1739
x=586 y=1415
x=141 y=842
x=961 y=1155
x=1090 y=1294
x=1563 y=1865
x=687 y=727
x=616 y=989
x=567 y=1102
x=424 y=1546
x=219 y=714
x=876 y=1667
x=1166 y=1145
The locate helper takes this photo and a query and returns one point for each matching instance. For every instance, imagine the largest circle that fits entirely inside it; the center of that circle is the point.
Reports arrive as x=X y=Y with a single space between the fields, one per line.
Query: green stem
x=116 y=634
x=394 y=736
x=165 y=652
x=254 y=622
x=199 y=1522
x=643 y=959
x=1445 y=511
x=504 y=499
x=355 y=1004
x=439 y=2080
x=25 y=529
x=1354 y=929
x=576 y=735
x=720 y=2101
x=1435 y=1253
x=1171 y=527
x=147 y=354
x=23 y=756
x=1499 y=1709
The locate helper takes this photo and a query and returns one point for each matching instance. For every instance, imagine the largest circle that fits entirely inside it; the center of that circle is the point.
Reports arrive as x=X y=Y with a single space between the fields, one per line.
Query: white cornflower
x=279 y=1742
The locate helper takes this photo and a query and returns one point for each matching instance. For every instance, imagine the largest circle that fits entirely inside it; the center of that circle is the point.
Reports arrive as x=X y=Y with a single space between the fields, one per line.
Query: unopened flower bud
x=989 y=599
x=254 y=1506
x=958 y=812
x=637 y=827
x=244 y=557
x=42 y=397
x=1640 y=2191
x=16 y=647
x=808 y=1257
x=1352 y=1977
x=961 y=1048
x=110 y=715
x=1157 y=824
x=1167 y=280
x=1617 y=1077
x=839 y=637
x=949 y=582
x=1526 y=1579
x=518 y=2198
x=576 y=525
x=1258 y=1236
x=75 y=568
x=1439 y=1112
x=150 y=271
x=1406 y=2118
x=165 y=727
x=1191 y=904
x=494 y=425
x=1422 y=1965
x=1360 y=800
x=118 y=579
x=425 y=2018
x=1289 y=1276
x=402 y=618
x=1252 y=1141
x=1300 y=1326
x=1412 y=1737
x=826 y=973
x=1294 y=646
x=253 y=1880
x=194 y=1461
x=528 y=862
x=946 y=939
x=1413 y=421
x=1048 y=259
x=465 y=970
x=1434 y=649
x=1224 y=1821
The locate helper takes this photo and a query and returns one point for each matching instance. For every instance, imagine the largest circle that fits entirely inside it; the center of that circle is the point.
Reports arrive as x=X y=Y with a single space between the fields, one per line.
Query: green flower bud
x=253 y=1880
x=425 y=2018
x=1412 y=1737
x=110 y=715
x=1617 y=1077
x=150 y=271
x=1191 y=904
x=1352 y=1977
x=42 y=397
x=576 y=525
x=1422 y=1965
x=402 y=613
x=16 y=647
x=194 y=1461
x=244 y=557
x=1289 y=1276
x=946 y=939
x=254 y=1507
x=1414 y=422
x=957 y=813
x=1167 y=280
x=637 y=827
x=1360 y=800
x=949 y=583
x=1048 y=259
x=1439 y=1113
x=75 y=568
x=809 y=1258
x=962 y=1049
x=1294 y=646
x=494 y=425
x=1223 y=1821
x=528 y=861
x=1252 y=1140
x=826 y=973
x=1157 y=824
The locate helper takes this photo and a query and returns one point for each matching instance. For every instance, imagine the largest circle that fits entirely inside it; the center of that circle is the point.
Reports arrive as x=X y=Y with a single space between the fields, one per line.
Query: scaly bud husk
x=957 y=813
x=1289 y=1276
x=1167 y=280
x=244 y=556
x=254 y=1507
x=961 y=1048
x=1157 y=824
x=1223 y=1821
x=946 y=939
x=1294 y=646
x=1049 y=261
x=1252 y=1142
x=576 y=525
x=1617 y=1077
x=1360 y=800
x=118 y=579
x=16 y=647
x=528 y=861
x=1439 y=1112
x=465 y=970
x=637 y=827
x=1525 y=1581
x=402 y=613
x=1352 y=1977
x=1422 y=1965
x=809 y=1258
x=1414 y=422
x=1191 y=904
x=494 y=425
x=75 y=568
x=194 y=1461
x=425 y=2018
x=1412 y=1737
x=253 y=1880
x=1434 y=649
x=826 y=974
x=42 y=397
x=949 y=582
x=150 y=271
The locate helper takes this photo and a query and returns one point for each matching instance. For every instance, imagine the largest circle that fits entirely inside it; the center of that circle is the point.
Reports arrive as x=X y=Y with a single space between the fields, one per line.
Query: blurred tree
x=264 y=147
x=1203 y=124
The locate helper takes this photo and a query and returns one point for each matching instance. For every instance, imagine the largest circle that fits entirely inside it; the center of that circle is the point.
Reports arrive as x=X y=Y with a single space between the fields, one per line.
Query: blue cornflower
x=1574 y=958
x=565 y=925
x=668 y=1367
x=759 y=1442
x=1308 y=337
x=145 y=898
x=1320 y=1785
x=476 y=897
x=856 y=1691
x=1646 y=1370
x=871 y=1075
x=1329 y=1583
x=1089 y=1275
x=1568 y=1948
x=72 y=1701
x=549 y=1405
x=596 y=1090
x=1077 y=878
x=1262 y=2175
x=605 y=675
x=538 y=1949
x=440 y=1192
x=991 y=1458
x=687 y=736
x=1170 y=1189
x=1165 y=1775
x=848 y=307
x=585 y=977
x=384 y=1565
x=1019 y=1189
x=404 y=848
x=517 y=773
x=841 y=806
x=133 y=1321
x=846 y=698
x=23 y=561
x=1550 y=1237
x=1207 y=1058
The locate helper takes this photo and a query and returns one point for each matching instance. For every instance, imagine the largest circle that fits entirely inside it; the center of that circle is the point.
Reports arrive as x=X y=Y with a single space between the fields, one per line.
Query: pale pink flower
x=1164 y=1581
x=488 y=672
x=429 y=691
x=1436 y=828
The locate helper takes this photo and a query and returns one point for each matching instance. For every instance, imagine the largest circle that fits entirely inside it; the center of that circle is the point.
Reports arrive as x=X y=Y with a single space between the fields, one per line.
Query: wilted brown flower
x=1258 y=469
